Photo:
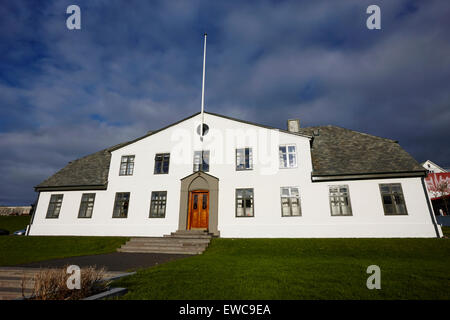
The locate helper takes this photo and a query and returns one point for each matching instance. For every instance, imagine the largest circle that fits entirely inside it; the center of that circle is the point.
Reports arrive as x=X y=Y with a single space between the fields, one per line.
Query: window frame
x=244 y=198
x=202 y=162
x=339 y=186
x=250 y=156
x=58 y=195
x=161 y=166
x=290 y=203
x=287 y=155
x=128 y=162
x=391 y=194
x=115 y=204
x=159 y=204
x=87 y=202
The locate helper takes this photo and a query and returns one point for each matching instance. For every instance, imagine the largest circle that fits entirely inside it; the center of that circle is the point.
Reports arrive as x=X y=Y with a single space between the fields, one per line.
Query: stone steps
x=180 y=242
x=169 y=240
x=159 y=250
x=11 y=281
x=187 y=236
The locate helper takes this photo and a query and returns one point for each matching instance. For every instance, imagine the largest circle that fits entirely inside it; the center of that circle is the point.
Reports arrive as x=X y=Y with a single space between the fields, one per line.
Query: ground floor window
x=393 y=200
x=86 y=205
x=290 y=202
x=121 y=205
x=340 y=201
x=158 y=204
x=54 y=207
x=244 y=203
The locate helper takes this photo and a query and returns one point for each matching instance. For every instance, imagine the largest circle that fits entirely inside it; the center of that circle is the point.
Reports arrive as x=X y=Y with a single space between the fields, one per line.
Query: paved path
x=16 y=282
x=115 y=264
x=116 y=261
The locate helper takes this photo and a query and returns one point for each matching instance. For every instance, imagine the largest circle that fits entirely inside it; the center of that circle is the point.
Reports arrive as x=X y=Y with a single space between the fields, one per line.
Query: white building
x=432 y=167
x=254 y=181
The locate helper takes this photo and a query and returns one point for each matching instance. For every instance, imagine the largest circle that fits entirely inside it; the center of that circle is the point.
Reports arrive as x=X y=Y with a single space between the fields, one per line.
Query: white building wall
x=368 y=219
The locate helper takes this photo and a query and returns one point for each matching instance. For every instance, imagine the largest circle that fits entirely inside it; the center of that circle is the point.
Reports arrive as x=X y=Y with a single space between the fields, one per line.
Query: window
x=244 y=203
x=205 y=129
x=86 y=205
x=340 y=201
x=393 y=200
x=288 y=156
x=121 y=205
x=126 y=166
x=201 y=161
x=158 y=204
x=54 y=207
x=162 y=163
x=244 y=159
x=290 y=202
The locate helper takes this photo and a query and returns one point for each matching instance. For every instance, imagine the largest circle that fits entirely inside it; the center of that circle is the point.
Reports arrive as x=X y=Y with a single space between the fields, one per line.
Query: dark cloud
x=136 y=66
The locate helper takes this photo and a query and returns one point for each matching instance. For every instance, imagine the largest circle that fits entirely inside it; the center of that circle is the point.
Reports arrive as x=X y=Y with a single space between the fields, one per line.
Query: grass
x=300 y=269
x=14 y=223
x=446 y=231
x=19 y=249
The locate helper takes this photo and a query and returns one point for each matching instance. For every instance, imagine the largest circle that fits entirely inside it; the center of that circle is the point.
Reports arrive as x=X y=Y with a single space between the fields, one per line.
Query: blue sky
x=136 y=66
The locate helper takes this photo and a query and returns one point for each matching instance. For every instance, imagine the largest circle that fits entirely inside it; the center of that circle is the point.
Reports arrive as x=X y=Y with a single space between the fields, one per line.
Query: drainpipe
x=32 y=215
x=437 y=227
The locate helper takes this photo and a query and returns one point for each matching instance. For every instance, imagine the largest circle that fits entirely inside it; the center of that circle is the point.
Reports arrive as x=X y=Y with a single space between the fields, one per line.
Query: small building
x=432 y=167
x=15 y=210
x=240 y=179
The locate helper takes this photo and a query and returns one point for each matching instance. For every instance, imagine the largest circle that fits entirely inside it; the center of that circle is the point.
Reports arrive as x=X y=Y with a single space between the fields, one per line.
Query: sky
x=136 y=66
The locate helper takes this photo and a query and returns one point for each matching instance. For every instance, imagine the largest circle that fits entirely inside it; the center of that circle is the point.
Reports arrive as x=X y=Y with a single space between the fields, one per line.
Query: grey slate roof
x=335 y=151
x=84 y=173
x=340 y=151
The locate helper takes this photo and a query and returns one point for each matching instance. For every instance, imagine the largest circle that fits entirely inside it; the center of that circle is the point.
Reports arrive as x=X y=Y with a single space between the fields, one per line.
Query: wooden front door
x=198 y=210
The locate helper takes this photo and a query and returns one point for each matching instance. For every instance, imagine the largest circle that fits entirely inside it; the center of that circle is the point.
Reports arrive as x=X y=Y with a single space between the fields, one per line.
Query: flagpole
x=203 y=87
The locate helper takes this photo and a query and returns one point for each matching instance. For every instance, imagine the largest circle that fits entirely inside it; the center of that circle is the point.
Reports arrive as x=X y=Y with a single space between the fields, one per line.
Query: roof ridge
x=150 y=133
x=359 y=132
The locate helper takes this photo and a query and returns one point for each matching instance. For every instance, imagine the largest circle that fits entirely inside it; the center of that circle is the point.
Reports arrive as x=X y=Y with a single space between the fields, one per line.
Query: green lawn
x=300 y=269
x=446 y=231
x=21 y=249
x=14 y=223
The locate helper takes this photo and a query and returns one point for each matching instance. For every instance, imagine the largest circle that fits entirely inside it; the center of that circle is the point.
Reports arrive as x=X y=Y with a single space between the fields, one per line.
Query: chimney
x=293 y=125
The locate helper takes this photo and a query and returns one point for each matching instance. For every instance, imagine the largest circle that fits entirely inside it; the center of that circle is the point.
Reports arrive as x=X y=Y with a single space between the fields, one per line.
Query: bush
x=51 y=284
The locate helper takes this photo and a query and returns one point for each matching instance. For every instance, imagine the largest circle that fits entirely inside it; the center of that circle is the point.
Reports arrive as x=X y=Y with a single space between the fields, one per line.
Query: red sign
x=438 y=184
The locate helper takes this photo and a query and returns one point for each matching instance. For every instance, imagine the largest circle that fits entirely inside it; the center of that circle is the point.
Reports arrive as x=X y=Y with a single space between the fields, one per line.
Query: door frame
x=200 y=181
x=191 y=196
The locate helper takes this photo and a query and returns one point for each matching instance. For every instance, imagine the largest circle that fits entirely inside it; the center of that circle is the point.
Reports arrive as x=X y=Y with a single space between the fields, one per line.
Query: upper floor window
x=340 y=201
x=162 y=163
x=201 y=161
x=121 y=205
x=86 y=205
x=54 y=207
x=244 y=203
x=290 y=202
x=288 y=156
x=158 y=204
x=244 y=159
x=126 y=166
x=393 y=200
